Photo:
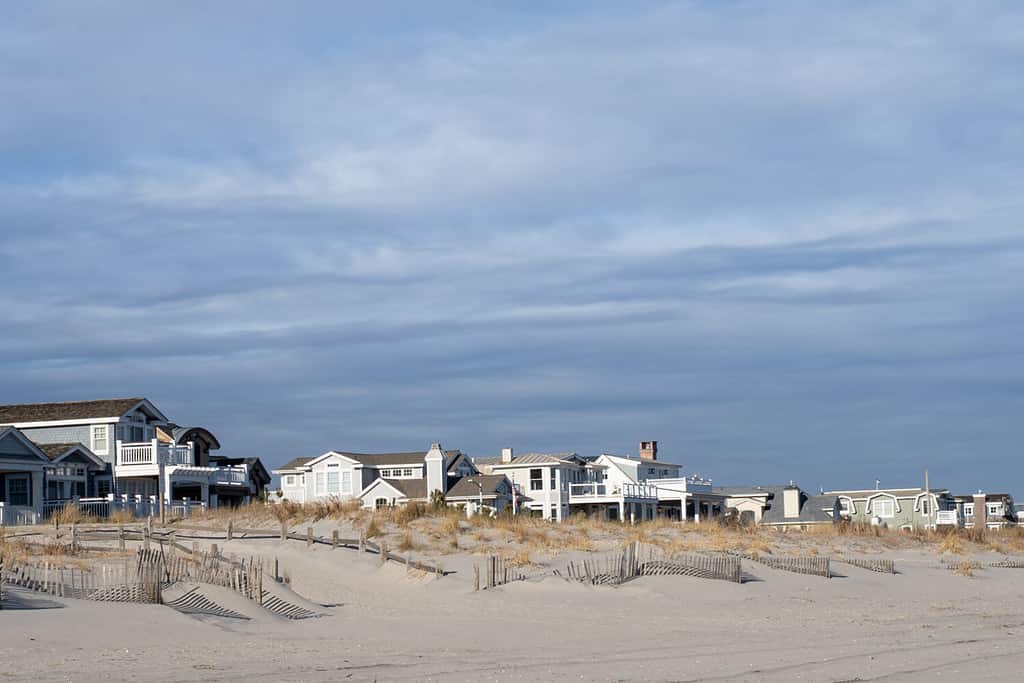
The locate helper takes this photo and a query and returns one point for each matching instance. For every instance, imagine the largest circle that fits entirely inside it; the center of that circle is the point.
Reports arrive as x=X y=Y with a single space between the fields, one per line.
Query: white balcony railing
x=154 y=453
x=947 y=518
x=594 y=489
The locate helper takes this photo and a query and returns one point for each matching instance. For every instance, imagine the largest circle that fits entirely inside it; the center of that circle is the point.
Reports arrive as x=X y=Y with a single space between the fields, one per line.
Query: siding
x=71 y=434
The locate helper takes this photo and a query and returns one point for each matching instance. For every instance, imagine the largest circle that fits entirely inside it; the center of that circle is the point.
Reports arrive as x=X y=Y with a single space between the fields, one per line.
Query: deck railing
x=947 y=518
x=591 y=489
x=139 y=507
x=154 y=452
x=17 y=515
x=230 y=475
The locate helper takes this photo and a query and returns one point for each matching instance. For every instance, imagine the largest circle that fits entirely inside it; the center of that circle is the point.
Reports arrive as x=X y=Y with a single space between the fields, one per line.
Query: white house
x=615 y=487
x=384 y=479
x=120 y=447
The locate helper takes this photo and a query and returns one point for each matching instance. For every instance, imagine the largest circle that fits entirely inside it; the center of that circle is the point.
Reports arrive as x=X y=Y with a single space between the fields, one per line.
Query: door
x=18 y=489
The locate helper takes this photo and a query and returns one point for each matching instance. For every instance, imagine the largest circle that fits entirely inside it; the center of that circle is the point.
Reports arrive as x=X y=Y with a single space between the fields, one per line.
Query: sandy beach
x=384 y=623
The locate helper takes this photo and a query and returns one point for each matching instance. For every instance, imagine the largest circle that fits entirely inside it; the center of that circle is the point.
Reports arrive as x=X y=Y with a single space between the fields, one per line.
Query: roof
x=812 y=510
x=969 y=498
x=55 y=450
x=899 y=493
x=255 y=464
x=641 y=461
x=69 y=410
x=465 y=486
x=462 y=487
x=528 y=459
x=293 y=464
x=181 y=435
x=376 y=459
x=740 y=491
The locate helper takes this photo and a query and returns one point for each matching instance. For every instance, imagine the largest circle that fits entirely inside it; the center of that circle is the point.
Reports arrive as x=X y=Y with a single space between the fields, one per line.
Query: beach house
x=613 y=487
x=97 y=449
x=385 y=479
x=905 y=508
x=987 y=510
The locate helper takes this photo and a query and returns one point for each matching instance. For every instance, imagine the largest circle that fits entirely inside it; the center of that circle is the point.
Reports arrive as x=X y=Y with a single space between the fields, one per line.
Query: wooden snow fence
x=118 y=582
x=636 y=560
x=813 y=566
x=871 y=564
x=496 y=573
x=1008 y=563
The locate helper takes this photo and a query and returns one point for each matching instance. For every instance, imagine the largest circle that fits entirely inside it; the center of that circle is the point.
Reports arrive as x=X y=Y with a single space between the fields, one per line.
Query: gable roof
x=898 y=493
x=293 y=464
x=458 y=487
x=69 y=410
x=377 y=459
x=33 y=449
x=626 y=459
x=58 y=451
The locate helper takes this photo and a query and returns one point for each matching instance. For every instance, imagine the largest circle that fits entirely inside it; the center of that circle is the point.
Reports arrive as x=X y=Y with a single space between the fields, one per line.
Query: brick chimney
x=980 y=510
x=506 y=455
x=648 y=450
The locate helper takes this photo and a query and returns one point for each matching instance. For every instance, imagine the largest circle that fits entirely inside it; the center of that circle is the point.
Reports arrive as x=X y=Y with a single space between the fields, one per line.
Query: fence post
x=383 y=552
x=362 y=541
x=309 y=536
x=74 y=537
x=230 y=533
x=334 y=538
x=284 y=531
x=120 y=536
x=214 y=550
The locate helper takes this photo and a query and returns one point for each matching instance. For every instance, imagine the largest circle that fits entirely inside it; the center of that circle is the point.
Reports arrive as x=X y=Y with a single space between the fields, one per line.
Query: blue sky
x=784 y=239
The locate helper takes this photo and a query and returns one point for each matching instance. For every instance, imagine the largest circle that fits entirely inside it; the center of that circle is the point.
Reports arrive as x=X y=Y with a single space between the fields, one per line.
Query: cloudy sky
x=782 y=238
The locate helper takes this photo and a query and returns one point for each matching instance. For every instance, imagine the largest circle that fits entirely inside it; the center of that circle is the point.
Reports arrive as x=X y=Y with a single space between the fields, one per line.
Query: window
x=650 y=471
x=346 y=481
x=289 y=480
x=536 y=480
x=553 y=483
x=844 y=506
x=884 y=507
x=102 y=488
x=968 y=509
x=995 y=510
x=319 y=483
x=99 y=438
x=380 y=503
x=17 y=489
x=407 y=472
x=332 y=481
x=925 y=507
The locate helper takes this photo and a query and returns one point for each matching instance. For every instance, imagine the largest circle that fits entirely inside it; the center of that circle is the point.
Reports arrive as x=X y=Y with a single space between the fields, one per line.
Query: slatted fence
x=636 y=560
x=496 y=572
x=871 y=564
x=813 y=566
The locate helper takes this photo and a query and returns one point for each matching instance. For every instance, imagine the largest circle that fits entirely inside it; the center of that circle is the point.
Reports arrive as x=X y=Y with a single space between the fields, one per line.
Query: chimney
x=980 y=510
x=791 y=502
x=648 y=450
x=506 y=455
x=437 y=479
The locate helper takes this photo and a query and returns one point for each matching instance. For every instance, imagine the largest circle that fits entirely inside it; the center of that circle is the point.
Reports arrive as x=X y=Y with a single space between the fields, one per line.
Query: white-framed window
x=926 y=507
x=346 y=481
x=332 y=481
x=968 y=509
x=99 y=438
x=844 y=506
x=380 y=503
x=650 y=471
x=536 y=480
x=320 y=483
x=883 y=507
x=289 y=480
x=385 y=473
x=407 y=472
x=995 y=509
x=553 y=482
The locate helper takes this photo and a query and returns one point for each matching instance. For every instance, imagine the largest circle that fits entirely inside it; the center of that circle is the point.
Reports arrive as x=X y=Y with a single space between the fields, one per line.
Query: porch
x=145 y=457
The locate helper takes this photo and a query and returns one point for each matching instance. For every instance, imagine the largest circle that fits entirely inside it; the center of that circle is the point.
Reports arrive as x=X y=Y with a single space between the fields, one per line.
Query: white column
x=696 y=511
x=167 y=483
x=622 y=511
x=682 y=508
x=205 y=494
x=558 y=494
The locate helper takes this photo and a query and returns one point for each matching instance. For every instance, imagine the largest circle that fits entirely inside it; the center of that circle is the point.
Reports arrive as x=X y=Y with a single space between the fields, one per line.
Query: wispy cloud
x=783 y=239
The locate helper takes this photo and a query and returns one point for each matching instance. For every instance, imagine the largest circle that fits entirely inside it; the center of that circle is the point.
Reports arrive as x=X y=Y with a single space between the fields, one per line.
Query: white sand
x=924 y=624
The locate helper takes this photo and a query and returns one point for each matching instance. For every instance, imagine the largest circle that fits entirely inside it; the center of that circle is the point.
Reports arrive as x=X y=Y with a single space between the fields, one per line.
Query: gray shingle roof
x=463 y=487
x=294 y=463
x=69 y=410
x=812 y=510
x=377 y=459
x=55 y=450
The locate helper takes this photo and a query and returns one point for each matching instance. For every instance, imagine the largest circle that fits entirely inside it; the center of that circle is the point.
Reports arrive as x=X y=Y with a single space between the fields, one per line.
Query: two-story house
x=908 y=508
x=541 y=481
x=121 y=447
x=986 y=510
x=385 y=479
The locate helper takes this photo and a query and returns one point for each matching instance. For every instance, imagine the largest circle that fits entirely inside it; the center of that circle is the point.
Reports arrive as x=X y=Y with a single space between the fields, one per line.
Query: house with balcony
x=986 y=510
x=906 y=508
x=541 y=481
x=121 y=448
x=613 y=487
